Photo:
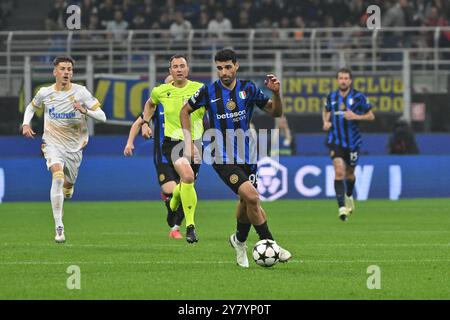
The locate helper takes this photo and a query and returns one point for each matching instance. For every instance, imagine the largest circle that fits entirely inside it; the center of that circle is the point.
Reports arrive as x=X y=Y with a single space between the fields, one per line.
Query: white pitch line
x=375 y=245
x=217 y=262
x=148 y=245
x=365 y=231
x=89 y=245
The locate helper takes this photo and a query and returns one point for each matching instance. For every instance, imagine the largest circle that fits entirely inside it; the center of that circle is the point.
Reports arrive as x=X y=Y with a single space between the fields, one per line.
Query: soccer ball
x=266 y=253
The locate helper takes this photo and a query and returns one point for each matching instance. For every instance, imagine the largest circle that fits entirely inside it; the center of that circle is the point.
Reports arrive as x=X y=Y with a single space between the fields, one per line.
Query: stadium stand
x=313 y=38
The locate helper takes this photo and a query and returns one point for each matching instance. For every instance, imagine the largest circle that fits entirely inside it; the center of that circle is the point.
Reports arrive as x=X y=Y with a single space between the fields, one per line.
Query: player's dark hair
x=177 y=56
x=60 y=59
x=225 y=55
x=344 y=70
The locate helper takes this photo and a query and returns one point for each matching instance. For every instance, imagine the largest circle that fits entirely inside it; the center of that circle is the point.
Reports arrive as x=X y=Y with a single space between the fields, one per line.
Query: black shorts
x=234 y=175
x=168 y=145
x=166 y=171
x=350 y=157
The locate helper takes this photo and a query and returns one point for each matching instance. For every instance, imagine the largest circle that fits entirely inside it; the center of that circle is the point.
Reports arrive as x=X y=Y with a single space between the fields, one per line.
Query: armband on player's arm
x=97 y=114
x=28 y=115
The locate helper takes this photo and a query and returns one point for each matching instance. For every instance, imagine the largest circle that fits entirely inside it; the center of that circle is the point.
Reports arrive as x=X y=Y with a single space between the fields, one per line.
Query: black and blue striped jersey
x=345 y=133
x=230 y=110
x=158 y=135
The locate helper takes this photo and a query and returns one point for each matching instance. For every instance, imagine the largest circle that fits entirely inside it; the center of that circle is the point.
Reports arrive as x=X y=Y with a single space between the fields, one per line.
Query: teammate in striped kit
x=343 y=109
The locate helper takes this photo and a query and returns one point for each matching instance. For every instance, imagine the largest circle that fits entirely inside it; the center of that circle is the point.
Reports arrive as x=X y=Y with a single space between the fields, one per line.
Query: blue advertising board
x=118 y=178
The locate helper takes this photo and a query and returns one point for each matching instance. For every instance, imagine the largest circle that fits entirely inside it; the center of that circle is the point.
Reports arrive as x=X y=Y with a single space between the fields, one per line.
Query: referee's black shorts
x=166 y=173
x=167 y=147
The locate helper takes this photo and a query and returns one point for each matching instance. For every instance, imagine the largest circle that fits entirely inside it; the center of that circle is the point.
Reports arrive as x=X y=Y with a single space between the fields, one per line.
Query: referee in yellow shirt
x=172 y=96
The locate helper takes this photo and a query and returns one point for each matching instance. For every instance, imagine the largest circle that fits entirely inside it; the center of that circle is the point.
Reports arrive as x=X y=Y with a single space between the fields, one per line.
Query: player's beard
x=227 y=80
x=343 y=87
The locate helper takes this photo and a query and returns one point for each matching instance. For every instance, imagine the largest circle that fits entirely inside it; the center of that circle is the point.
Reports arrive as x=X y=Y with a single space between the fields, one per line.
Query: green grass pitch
x=124 y=252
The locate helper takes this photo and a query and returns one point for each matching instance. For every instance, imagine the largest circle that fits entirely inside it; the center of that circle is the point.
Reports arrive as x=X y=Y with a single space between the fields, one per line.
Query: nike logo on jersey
x=212 y=101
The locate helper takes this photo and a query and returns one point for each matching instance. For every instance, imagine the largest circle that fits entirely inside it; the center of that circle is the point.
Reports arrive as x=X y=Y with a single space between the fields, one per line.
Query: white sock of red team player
x=57 y=197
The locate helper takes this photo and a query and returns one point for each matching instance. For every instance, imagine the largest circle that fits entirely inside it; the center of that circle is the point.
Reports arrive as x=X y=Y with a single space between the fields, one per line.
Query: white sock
x=175 y=227
x=57 y=197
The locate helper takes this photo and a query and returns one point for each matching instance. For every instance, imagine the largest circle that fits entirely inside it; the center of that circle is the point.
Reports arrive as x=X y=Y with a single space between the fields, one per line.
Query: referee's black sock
x=263 y=231
x=350 y=186
x=179 y=216
x=339 y=187
x=242 y=230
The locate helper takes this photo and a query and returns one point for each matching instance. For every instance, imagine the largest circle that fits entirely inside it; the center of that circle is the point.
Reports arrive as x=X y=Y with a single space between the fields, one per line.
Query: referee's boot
x=191 y=235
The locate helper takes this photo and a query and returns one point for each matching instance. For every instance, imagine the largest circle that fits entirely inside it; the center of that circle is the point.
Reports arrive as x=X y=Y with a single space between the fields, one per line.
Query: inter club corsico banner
x=306 y=95
x=123 y=97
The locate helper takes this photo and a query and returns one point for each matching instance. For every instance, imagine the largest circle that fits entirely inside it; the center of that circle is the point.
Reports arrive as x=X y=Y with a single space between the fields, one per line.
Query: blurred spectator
x=282 y=33
x=357 y=11
x=437 y=19
x=180 y=28
x=87 y=8
x=299 y=25
x=219 y=25
x=106 y=13
x=162 y=23
x=56 y=18
x=443 y=6
x=394 y=17
x=230 y=11
x=312 y=12
x=170 y=9
x=117 y=27
x=150 y=11
x=190 y=9
x=94 y=22
x=402 y=140
x=129 y=9
x=139 y=22
x=265 y=23
x=244 y=20
x=432 y=20
x=208 y=5
x=249 y=7
x=268 y=9
x=203 y=20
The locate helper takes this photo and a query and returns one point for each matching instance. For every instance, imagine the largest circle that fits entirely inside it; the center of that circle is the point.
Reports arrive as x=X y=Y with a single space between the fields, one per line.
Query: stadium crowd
x=6 y=6
x=233 y=14
x=180 y=16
